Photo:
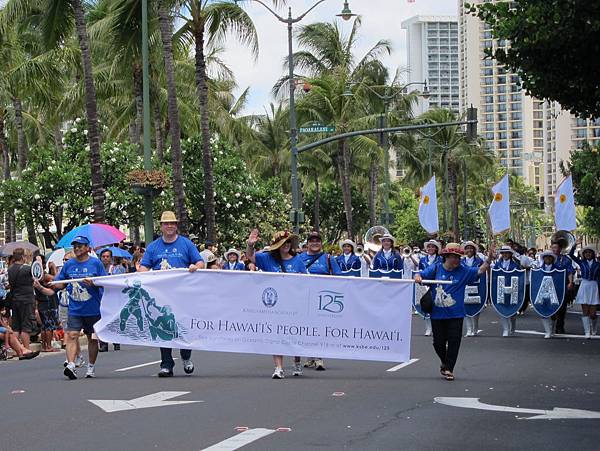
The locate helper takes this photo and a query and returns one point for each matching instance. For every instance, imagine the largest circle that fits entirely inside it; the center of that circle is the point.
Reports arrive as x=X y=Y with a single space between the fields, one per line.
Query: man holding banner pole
x=449 y=302
x=167 y=252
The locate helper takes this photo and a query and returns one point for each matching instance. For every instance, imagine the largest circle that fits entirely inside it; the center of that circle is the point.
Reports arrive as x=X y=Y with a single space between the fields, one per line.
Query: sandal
x=449 y=376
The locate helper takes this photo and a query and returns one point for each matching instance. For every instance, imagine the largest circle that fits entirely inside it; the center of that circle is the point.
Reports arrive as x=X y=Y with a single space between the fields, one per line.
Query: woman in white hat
x=432 y=257
x=387 y=259
x=507 y=262
x=348 y=260
x=587 y=296
x=281 y=257
x=471 y=259
x=232 y=261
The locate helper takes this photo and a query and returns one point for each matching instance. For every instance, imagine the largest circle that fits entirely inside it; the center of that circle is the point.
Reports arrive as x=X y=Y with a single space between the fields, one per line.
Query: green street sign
x=317 y=129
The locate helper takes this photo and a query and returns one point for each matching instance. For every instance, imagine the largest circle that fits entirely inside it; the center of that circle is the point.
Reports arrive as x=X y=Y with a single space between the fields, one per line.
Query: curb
x=38 y=346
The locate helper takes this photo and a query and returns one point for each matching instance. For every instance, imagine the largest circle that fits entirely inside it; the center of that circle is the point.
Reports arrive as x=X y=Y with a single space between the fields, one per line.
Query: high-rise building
x=432 y=43
x=531 y=137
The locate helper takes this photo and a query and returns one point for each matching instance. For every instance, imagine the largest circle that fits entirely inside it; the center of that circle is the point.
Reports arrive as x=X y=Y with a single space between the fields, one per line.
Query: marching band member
x=348 y=260
x=281 y=257
x=387 y=259
x=506 y=262
x=471 y=259
x=317 y=262
x=587 y=296
x=563 y=262
x=547 y=263
x=232 y=261
x=365 y=260
x=449 y=304
x=432 y=249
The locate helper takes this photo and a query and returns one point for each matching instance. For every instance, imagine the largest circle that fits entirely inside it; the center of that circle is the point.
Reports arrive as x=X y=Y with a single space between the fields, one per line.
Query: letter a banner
x=259 y=313
x=508 y=291
x=547 y=291
x=476 y=295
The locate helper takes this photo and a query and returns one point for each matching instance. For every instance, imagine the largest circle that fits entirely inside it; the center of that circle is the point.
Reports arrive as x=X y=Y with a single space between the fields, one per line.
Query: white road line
x=402 y=365
x=139 y=366
x=535 y=332
x=239 y=440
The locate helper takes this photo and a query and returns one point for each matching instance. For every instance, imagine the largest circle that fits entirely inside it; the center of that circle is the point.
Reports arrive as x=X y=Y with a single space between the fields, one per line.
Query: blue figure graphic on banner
x=508 y=291
x=547 y=291
x=379 y=274
x=476 y=295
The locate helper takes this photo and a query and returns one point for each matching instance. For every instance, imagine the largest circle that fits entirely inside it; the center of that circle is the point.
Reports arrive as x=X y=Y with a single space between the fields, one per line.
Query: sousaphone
x=372 y=238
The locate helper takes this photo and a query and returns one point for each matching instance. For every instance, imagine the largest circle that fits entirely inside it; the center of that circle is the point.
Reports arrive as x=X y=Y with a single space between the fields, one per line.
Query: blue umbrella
x=117 y=252
x=98 y=234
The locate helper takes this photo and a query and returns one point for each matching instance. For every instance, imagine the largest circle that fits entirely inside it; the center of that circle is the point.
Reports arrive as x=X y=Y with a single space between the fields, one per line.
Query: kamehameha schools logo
x=142 y=318
x=269 y=297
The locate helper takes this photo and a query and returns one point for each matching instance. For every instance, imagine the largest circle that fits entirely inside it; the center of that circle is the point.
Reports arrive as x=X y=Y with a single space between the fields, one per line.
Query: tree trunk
x=202 y=88
x=166 y=34
x=91 y=112
x=317 y=205
x=9 y=217
x=58 y=137
x=453 y=194
x=21 y=141
x=344 y=170
x=373 y=179
x=139 y=105
x=31 y=235
x=158 y=135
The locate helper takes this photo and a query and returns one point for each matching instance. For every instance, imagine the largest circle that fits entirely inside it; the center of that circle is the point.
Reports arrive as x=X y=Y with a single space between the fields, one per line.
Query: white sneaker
x=319 y=365
x=70 y=371
x=428 y=332
x=278 y=374
x=91 y=372
x=79 y=361
x=188 y=366
x=297 y=369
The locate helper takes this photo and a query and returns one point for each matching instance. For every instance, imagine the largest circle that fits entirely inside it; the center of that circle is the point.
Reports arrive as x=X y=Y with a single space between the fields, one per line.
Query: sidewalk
x=38 y=346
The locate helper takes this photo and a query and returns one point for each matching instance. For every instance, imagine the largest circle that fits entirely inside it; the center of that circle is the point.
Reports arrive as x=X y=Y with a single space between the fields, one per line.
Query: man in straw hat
x=172 y=250
x=449 y=304
x=587 y=295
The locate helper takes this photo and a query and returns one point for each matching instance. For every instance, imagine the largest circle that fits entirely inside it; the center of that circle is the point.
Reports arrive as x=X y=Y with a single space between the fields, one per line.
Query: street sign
x=155 y=400
x=317 y=129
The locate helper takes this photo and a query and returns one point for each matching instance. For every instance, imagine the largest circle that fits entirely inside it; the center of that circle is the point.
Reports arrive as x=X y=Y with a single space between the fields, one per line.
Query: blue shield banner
x=508 y=291
x=378 y=274
x=351 y=273
x=476 y=295
x=548 y=290
x=417 y=293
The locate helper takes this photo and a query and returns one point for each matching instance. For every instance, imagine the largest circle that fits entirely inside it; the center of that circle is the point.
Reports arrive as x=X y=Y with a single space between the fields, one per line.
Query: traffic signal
x=472 y=125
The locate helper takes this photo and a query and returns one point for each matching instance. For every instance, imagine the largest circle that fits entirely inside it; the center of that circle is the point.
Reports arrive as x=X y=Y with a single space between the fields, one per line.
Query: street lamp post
x=296 y=215
x=387 y=218
x=148 y=222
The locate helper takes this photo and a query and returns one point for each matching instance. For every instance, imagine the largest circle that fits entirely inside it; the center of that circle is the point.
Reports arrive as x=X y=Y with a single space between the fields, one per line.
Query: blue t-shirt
x=449 y=300
x=265 y=262
x=320 y=265
x=83 y=300
x=181 y=253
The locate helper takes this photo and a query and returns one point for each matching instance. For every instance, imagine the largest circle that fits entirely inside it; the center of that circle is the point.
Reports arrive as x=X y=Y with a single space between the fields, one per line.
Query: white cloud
x=381 y=19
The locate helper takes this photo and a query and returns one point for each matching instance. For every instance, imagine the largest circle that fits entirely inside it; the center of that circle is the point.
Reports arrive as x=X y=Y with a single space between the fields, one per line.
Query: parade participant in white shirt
x=507 y=262
x=348 y=260
x=432 y=249
x=471 y=259
x=587 y=295
x=232 y=261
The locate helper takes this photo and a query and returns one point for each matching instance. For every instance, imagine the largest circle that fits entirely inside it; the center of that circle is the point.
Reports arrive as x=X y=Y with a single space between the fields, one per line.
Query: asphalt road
x=372 y=409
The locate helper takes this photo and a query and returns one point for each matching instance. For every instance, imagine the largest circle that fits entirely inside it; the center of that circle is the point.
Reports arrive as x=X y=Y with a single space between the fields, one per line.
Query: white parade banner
x=259 y=313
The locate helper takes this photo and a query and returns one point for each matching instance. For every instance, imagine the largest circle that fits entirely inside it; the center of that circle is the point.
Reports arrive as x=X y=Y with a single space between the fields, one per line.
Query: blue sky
x=381 y=19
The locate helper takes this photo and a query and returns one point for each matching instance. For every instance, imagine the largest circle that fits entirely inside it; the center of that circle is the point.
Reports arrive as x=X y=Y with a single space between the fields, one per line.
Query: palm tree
x=55 y=19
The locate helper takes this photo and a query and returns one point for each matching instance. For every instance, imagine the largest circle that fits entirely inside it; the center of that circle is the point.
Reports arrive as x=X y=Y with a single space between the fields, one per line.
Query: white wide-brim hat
x=388 y=236
x=470 y=243
x=547 y=254
x=434 y=243
x=506 y=249
x=350 y=242
x=232 y=251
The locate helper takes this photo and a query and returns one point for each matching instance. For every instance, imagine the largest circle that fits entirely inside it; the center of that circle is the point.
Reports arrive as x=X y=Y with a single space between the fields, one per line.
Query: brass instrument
x=564 y=239
x=406 y=251
x=372 y=238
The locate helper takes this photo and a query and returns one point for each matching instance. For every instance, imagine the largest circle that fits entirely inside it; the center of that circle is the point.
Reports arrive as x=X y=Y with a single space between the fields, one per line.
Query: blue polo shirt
x=265 y=262
x=83 y=300
x=449 y=300
x=320 y=265
x=181 y=253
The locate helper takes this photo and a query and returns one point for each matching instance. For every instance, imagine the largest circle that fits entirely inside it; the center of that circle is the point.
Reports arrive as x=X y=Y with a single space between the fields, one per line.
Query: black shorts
x=23 y=317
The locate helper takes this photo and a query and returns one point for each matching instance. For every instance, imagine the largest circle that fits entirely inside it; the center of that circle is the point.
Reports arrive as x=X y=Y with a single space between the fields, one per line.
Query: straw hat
x=168 y=216
x=506 y=248
x=280 y=238
x=434 y=243
x=209 y=257
x=388 y=236
x=232 y=251
x=547 y=254
x=452 y=248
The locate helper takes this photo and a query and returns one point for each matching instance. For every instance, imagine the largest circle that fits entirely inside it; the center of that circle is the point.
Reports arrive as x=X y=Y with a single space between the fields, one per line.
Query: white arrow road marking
x=402 y=365
x=239 y=440
x=555 y=414
x=155 y=400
